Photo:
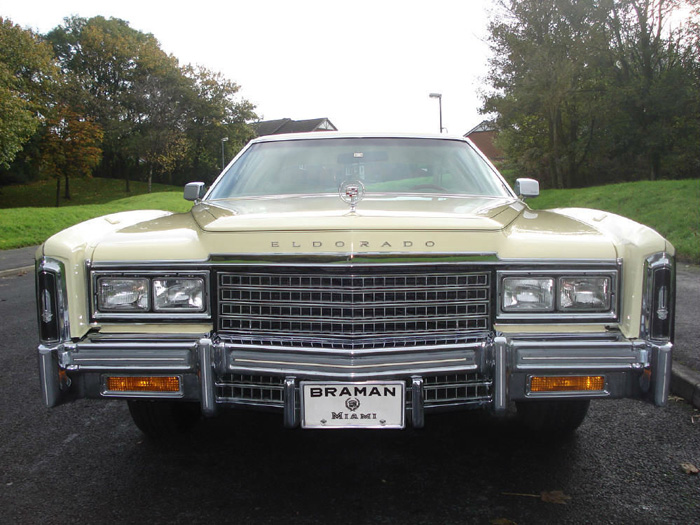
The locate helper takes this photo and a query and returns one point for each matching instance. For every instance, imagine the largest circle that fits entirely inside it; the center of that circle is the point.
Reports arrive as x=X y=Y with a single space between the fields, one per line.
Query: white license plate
x=374 y=404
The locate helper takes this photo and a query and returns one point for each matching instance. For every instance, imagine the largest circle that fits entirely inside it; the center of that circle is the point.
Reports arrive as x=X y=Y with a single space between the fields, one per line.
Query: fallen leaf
x=502 y=521
x=555 y=496
x=689 y=468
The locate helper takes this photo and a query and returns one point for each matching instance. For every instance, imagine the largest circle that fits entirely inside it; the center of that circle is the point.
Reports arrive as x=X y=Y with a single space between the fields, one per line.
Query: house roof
x=484 y=125
x=287 y=125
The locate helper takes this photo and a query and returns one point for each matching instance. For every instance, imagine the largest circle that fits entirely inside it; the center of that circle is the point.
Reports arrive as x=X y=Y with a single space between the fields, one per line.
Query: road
x=86 y=462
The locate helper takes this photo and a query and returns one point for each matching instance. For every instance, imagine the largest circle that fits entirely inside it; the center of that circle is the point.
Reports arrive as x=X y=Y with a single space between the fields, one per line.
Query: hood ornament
x=352 y=192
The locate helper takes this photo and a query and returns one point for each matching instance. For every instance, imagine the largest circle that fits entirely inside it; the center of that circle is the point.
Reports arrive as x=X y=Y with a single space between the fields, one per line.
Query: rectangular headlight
x=584 y=294
x=177 y=294
x=530 y=294
x=121 y=294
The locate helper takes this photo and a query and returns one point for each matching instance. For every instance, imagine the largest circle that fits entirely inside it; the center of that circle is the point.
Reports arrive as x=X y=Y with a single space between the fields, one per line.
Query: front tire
x=160 y=419
x=555 y=417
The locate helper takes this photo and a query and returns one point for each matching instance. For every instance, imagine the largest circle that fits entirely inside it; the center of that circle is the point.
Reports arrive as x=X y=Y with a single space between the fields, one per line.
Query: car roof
x=320 y=135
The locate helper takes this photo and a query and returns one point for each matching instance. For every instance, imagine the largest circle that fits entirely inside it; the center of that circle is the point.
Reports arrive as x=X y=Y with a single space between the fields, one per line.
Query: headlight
x=584 y=294
x=530 y=294
x=123 y=294
x=178 y=294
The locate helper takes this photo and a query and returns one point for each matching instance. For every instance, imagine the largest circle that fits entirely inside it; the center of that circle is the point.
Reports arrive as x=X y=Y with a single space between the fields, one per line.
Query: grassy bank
x=29 y=226
x=670 y=207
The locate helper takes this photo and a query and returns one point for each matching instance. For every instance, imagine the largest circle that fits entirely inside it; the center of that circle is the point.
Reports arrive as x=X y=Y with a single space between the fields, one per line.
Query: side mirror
x=194 y=191
x=525 y=188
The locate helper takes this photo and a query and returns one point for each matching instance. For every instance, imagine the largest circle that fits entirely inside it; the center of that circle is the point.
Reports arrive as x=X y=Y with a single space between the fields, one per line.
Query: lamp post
x=223 y=159
x=439 y=97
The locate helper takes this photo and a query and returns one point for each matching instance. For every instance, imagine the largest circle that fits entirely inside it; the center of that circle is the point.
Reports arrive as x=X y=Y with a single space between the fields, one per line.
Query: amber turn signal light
x=143 y=384
x=567 y=384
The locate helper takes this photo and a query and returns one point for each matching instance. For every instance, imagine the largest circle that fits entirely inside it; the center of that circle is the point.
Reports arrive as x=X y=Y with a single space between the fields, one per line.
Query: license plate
x=374 y=404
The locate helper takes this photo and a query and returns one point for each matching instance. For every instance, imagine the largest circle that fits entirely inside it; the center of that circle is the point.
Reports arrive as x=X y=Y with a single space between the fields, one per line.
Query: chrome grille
x=267 y=390
x=357 y=308
x=453 y=389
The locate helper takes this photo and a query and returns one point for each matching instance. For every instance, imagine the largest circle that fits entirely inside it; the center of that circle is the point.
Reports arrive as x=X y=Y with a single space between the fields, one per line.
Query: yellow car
x=356 y=281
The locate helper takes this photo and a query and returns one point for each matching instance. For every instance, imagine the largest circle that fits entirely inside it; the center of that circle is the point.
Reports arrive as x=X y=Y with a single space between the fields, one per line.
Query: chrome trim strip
x=48 y=375
x=291 y=419
x=310 y=259
x=661 y=373
x=417 y=402
x=500 y=374
x=206 y=377
x=578 y=355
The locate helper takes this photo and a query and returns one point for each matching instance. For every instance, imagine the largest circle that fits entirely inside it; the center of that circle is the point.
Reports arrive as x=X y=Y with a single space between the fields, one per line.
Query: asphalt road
x=86 y=462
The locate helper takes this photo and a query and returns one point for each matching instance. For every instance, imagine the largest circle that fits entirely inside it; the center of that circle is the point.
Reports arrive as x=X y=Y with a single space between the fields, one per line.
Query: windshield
x=382 y=165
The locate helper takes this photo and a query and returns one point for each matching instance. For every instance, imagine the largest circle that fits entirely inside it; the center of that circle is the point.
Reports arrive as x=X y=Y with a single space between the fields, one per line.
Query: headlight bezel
x=152 y=312
x=559 y=312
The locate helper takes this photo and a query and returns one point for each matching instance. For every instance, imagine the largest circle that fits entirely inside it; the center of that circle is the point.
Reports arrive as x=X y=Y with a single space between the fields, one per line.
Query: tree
x=544 y=74
x=70 y=147
x=157 y=118
x=591 y=91
x=215 y=113
x=652 y=80
x=26 y=74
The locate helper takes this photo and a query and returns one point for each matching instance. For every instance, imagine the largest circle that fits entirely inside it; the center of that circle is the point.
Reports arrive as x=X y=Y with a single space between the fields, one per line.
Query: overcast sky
x=367 y=65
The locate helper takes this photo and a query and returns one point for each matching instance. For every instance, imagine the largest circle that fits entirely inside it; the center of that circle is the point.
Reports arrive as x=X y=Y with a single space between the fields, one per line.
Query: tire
x=556 y=417
x=160 y=419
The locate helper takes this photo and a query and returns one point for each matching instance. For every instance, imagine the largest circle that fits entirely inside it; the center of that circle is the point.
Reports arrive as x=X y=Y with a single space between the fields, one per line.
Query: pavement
x=685 y=374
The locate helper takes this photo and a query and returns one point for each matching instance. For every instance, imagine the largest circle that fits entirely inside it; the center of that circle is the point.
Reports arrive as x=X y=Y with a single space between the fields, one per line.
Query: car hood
x=329 y=212
x=505 y=228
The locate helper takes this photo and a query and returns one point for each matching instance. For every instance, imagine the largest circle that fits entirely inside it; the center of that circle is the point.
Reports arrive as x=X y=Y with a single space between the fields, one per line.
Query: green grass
x=29 y=226
x=672 y=208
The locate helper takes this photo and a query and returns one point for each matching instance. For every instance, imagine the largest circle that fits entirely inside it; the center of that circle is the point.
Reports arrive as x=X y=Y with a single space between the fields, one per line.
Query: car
x=352 y=281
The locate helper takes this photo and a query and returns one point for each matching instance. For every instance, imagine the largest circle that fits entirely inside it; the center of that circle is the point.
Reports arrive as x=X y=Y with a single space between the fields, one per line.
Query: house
x=483 y=136
x=287 y=125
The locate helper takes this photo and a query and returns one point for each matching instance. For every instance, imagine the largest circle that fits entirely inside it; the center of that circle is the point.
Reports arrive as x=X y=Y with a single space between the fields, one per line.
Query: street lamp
x=439 y=97
x=223 y=159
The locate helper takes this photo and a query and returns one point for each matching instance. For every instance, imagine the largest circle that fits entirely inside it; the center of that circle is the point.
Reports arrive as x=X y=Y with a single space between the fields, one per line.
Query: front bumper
x=489 y=374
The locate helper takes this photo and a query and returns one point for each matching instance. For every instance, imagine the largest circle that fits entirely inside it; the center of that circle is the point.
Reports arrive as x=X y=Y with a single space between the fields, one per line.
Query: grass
x=670 y=207
x=30 y=226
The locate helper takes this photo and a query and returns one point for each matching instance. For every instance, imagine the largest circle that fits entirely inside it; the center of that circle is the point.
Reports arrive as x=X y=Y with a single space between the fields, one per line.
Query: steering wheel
x=427 y=187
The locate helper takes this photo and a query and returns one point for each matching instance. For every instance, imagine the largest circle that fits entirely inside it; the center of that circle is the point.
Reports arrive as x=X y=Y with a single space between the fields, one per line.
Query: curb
x=16 y=271
x=685 y=383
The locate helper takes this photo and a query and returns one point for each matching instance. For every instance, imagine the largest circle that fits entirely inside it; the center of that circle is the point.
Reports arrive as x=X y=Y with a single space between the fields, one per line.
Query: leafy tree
x=652 y=92
x=70 y=147
x=215 y=113
x=544 y=75
x=158 y=119
x=27 y=73
x=591 y=91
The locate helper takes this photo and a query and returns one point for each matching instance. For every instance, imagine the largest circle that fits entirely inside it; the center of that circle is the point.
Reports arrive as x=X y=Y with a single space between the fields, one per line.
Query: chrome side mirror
x=194 y=191
x=525 y=188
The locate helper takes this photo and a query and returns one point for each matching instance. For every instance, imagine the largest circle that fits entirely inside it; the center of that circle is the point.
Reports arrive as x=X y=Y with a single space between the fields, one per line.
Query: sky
x=367 y=65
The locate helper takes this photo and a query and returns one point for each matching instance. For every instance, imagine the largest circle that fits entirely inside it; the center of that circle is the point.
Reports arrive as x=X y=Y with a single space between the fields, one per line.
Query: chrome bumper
x=497 y=371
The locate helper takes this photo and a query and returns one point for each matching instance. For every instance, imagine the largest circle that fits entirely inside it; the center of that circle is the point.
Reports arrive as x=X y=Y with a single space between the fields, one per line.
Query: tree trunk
x=58 y=191
x=66 y=194
x=150 y=178
x=655 y=165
